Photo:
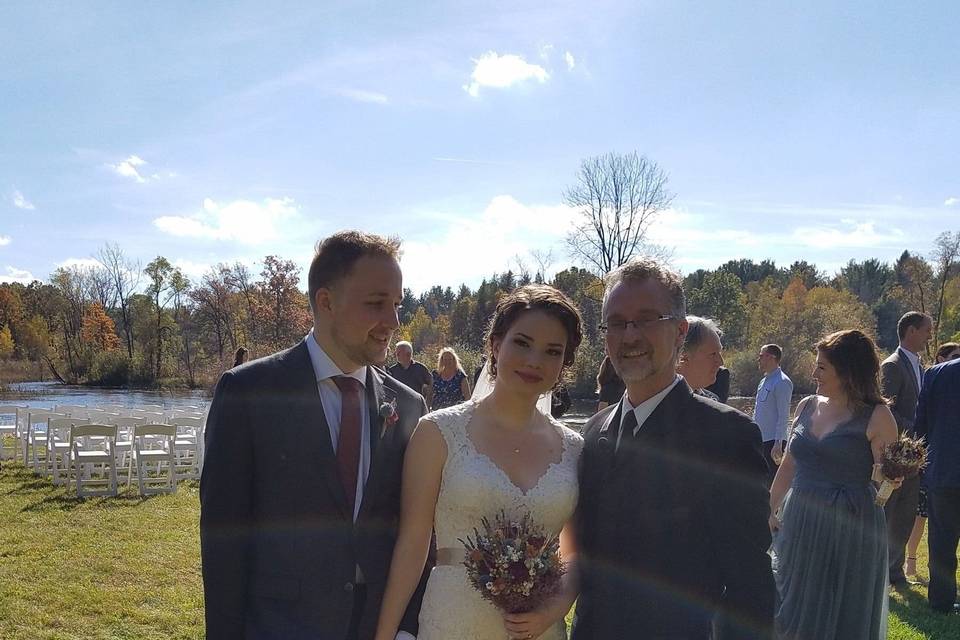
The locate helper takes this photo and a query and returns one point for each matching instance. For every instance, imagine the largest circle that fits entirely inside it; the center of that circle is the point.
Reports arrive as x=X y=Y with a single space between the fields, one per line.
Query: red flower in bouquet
x=513 y=564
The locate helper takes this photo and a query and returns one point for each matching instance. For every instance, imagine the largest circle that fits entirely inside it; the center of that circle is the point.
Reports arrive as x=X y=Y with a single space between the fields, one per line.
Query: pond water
x=47 y=394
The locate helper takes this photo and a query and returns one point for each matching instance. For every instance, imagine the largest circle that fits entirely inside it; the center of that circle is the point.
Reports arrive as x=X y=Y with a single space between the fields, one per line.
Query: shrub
x=110 y=369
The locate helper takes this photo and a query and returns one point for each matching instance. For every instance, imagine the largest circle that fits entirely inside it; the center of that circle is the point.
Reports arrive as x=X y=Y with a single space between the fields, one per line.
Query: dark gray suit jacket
x=899 y=383
x=278 y=545
x=672 y=526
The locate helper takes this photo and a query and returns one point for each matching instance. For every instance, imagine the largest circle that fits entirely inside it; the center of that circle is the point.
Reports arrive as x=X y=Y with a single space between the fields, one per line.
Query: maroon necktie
x=348 y=445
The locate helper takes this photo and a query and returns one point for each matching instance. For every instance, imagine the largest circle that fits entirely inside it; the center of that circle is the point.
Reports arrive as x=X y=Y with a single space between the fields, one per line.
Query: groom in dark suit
x=300 y=493
x=673 y=515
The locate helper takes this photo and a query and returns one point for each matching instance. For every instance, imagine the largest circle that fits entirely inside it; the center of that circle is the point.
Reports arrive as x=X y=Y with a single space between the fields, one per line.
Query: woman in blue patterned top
x=450 y=384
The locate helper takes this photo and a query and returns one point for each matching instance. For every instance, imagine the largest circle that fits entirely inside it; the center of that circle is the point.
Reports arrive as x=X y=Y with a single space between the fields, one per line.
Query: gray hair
x=645 y=268
x=404 y=343
x=697 y=332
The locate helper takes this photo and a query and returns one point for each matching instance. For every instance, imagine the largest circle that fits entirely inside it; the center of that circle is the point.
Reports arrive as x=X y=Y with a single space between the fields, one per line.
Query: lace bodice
x=473 y=486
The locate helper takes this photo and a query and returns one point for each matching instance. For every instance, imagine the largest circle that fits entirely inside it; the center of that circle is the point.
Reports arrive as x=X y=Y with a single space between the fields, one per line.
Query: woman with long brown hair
x=830 y=555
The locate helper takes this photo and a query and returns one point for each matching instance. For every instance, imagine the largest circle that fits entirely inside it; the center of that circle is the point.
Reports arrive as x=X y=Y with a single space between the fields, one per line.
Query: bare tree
x=946 y=253
x=125 y=276
x=523 y=272
x=618 y=198
x=544 y=260
x=101 y=287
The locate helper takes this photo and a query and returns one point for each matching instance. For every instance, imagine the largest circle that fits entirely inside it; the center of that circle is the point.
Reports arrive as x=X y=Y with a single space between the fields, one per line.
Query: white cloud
x=545 y=51
x=81 y=263
x=501 y=72
x=193 y=270
x=5 y=240
x=951 y=201
x=570 y=60
x=474 y=246
x=361 y=95
x=20 y=202
x=17 y=275
x=128 y=168
x=685 y=231
x=848 y=234
x=243 y=221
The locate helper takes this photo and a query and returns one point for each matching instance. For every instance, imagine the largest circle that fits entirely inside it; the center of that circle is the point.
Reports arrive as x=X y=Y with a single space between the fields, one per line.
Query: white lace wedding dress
x=473 y=487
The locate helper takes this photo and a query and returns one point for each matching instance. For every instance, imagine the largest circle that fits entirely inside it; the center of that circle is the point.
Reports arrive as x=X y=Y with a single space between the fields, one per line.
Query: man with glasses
x=672 y=520
x=771 y=411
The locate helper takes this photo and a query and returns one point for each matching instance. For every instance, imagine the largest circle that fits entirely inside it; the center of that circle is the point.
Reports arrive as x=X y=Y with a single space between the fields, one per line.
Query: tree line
x=118 y=323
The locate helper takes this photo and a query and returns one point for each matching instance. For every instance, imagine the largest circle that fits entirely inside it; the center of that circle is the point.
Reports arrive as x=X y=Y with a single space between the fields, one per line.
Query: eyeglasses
x=616 y=327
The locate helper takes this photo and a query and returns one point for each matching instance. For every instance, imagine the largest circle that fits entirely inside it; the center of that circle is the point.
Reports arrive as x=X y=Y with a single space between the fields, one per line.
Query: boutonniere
x=388 y=414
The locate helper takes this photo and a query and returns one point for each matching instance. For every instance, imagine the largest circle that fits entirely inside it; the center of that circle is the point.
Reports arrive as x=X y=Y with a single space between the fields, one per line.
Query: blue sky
x=215 y=132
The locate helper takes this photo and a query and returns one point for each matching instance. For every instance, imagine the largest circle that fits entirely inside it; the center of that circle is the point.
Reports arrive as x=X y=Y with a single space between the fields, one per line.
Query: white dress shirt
x=644 y=409
x=332 y=401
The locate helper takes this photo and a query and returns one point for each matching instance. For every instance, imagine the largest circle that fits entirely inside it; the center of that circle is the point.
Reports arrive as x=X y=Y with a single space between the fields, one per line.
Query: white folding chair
x=58 y=447
x=154 y=444
x=123 y=447
x=93 y=459
x=9 y=431
x=35 y=440
x=188 y=446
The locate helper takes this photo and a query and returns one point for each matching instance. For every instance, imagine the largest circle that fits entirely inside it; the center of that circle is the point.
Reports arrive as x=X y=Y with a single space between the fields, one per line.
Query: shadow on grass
x=69 y=502
x=28 y=484
x=58 y=502
x=911 y=608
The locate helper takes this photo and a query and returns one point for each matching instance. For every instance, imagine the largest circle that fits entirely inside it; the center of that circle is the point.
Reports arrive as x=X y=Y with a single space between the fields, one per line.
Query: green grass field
x=129 y=567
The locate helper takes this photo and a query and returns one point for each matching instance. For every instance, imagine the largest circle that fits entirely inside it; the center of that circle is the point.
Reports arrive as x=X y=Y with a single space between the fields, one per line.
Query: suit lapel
x=307 y=411
x=377 y=395
x=906 y=364
x=607 y=437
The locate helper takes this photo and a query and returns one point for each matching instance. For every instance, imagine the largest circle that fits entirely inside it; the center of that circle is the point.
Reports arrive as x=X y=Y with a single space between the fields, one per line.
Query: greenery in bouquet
x=513 y=564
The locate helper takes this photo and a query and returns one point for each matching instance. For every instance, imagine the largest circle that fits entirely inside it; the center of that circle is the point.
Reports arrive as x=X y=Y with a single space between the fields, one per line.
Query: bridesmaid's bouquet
x=903 y=458
x=513 y=564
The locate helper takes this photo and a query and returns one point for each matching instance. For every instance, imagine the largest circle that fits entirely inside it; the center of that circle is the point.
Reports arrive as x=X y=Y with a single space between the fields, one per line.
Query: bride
x=495 y=452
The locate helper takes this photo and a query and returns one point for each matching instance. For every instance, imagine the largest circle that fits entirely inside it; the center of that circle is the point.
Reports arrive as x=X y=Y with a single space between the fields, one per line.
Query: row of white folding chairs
x=93 y=458
x=46 y=445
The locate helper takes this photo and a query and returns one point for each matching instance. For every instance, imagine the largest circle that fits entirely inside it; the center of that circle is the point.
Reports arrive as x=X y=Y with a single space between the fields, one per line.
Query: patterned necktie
x=348 y=445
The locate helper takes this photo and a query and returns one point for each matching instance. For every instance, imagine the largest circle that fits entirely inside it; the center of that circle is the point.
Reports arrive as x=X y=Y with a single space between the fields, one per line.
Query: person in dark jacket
x=300 y=491
x=672 y=521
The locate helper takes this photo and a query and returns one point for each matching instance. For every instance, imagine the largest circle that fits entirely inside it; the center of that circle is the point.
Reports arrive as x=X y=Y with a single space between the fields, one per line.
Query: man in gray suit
x=900 y=377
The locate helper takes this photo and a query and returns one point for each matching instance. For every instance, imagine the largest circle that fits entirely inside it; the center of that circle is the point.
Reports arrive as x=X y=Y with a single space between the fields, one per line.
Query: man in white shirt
x=300 y=493
x=900 y=378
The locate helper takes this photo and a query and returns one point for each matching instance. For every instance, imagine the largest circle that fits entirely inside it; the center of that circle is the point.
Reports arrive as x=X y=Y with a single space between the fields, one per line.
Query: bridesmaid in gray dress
x=830 y=544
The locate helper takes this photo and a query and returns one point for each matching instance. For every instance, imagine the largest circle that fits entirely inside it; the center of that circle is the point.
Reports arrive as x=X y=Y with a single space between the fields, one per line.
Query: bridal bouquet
x=903 y=458
x=513 y=564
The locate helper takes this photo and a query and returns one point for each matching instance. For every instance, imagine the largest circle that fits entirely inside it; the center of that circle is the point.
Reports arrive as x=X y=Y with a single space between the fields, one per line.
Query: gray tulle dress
x=830 y=555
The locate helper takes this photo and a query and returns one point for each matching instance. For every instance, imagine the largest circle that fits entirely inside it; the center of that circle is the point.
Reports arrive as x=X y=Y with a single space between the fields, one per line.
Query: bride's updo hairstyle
x=535 y=297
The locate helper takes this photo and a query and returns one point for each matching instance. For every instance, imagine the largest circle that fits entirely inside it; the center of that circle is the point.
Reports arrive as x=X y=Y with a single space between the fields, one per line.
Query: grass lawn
x=129 y=567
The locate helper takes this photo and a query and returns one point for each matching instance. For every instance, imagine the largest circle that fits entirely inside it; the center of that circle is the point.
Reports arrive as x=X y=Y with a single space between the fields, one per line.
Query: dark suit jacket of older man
x=673 y=525
x=899 y=383
x=280 y=549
